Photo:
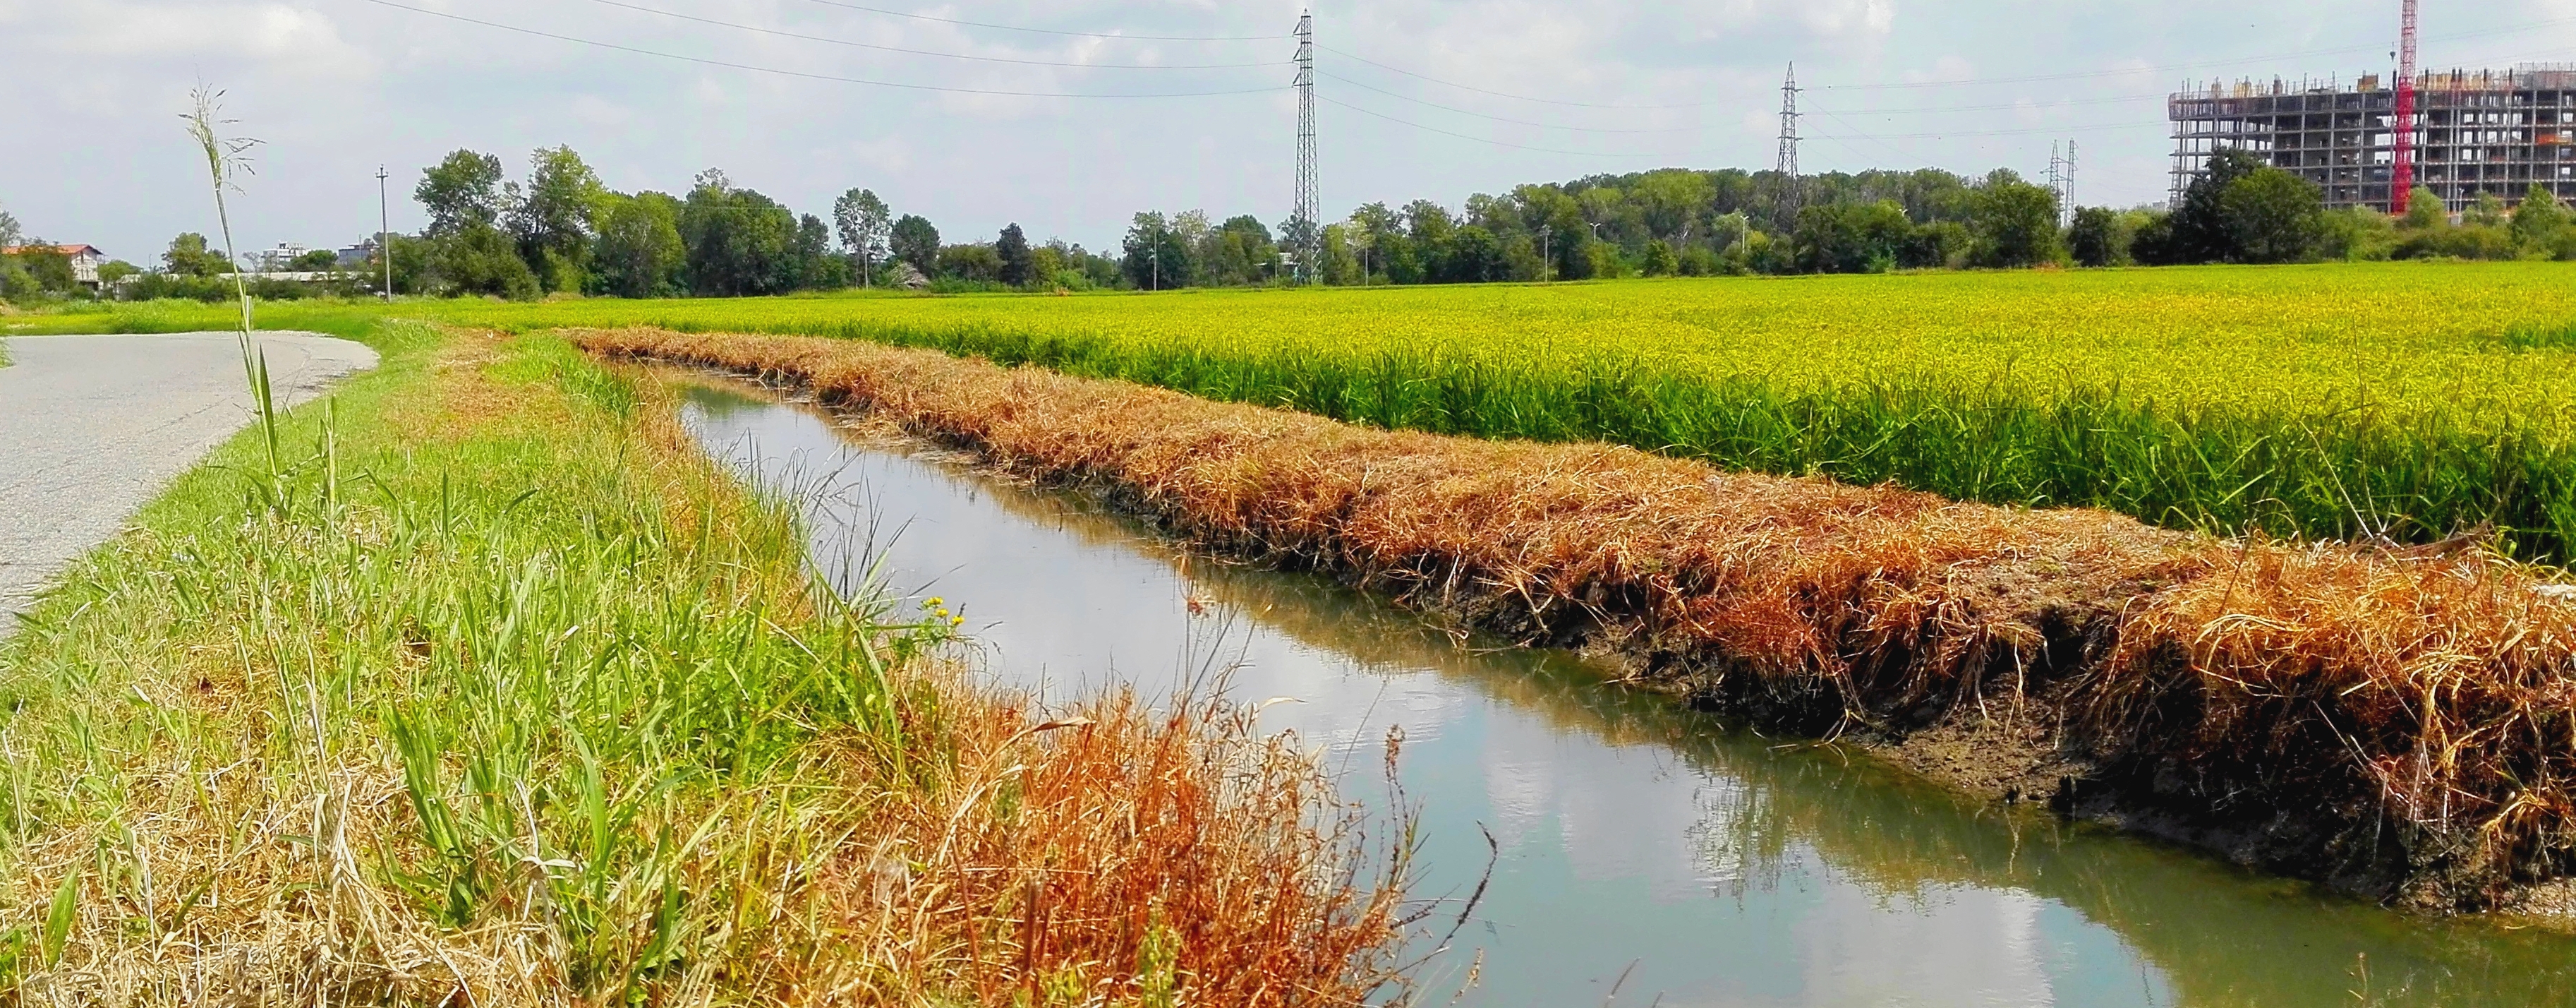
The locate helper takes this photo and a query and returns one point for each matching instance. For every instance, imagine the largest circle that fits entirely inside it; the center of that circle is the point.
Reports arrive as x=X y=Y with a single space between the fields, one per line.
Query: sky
x=1072 y=115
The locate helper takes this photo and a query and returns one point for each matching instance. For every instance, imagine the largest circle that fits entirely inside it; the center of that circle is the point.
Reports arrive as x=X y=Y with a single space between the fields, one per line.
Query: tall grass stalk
x=227 y=159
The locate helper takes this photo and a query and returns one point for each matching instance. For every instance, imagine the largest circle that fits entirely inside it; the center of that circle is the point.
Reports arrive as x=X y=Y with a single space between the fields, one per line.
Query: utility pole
x=1547 y=250
x=1158 y=261
x=1309 y=211
x=1787 y=164
x=385 y=233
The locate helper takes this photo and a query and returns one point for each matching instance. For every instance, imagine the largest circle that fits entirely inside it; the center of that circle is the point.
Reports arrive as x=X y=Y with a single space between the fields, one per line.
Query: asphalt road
x=93 y=426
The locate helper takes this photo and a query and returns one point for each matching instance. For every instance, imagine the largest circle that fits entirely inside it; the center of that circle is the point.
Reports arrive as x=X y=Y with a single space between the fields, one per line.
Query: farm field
x=2410 y=401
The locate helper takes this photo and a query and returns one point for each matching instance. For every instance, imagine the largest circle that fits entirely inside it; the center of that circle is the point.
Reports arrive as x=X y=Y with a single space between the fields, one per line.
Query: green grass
x=2402 y=400
x=449 y=649
x=480 y=674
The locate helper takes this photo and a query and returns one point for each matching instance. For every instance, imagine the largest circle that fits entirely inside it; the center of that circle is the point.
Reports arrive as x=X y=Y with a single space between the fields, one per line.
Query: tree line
x=559 y=230
x=563 y=231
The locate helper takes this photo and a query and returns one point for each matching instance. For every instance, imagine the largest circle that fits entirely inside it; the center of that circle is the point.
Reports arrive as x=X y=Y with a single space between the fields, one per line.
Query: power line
x=1051 y=31
x=926 y=52
x=801 y=74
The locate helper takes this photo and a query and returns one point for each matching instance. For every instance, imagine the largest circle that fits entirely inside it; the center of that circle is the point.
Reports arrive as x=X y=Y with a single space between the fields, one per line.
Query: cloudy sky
x=1419 y=98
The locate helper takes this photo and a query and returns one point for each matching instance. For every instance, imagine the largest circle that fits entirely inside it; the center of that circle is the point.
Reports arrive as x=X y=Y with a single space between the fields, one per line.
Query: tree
x=1670 y=201
x=413 y=269
x=113 y=270
x=1341 y=263
x=638 y=250
x=46 y=264
x=2015 y=222
x=1940 y=244
x=2096 y=239
x=1658 y=260
x=2424 y=211
x=460 y=192
x=2272 y=216
x=2200 y=231
x=1236 y=252
x=1155 y=256
x=316 y=261
x=2540 y=223
x=812 y=264
x=864 y=224
x=2488 y=211
x=913 y=240
x=188 y=256
x=1373 y=229
x=9 y=231
x=1296 y=235
x=740 y=242
x=2357 y=234
x=15 y=283
x=1851 y=237
x=479 y=259
x=1012 y=248
x=1474 y=255
x=972 y=263
x=552 y=219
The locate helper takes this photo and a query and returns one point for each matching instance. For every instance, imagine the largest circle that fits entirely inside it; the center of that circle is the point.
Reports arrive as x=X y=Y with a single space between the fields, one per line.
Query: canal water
x=1647 y=854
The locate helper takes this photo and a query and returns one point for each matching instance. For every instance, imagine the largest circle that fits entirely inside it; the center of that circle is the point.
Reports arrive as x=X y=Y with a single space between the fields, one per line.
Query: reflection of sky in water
x=1636 y=840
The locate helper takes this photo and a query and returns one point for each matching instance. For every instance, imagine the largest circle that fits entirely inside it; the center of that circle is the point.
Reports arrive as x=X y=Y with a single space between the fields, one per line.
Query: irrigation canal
x=1647 y=854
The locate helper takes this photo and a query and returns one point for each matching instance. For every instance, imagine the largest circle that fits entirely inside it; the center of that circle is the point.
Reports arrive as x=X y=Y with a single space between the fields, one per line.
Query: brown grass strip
x=2404 y=725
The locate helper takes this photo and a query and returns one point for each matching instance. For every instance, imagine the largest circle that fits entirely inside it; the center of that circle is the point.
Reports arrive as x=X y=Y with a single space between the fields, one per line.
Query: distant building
x=86 y=259
x=2490 y=132
x=281 y=258
x=358 y=255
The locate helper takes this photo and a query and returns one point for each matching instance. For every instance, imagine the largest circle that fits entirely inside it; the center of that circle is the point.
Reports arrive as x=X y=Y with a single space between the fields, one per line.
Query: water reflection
x=1645 y=850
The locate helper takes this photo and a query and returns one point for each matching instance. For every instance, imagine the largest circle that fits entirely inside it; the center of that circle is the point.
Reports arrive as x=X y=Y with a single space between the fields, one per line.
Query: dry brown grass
x=2352 y=692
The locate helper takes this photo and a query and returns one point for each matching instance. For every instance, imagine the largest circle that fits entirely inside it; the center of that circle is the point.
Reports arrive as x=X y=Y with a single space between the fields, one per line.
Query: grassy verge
x=492 y=690
x=2392 y=721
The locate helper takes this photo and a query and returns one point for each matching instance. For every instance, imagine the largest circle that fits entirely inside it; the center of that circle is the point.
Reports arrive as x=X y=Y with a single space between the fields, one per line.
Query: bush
x=2473 y=241
x=165 y=286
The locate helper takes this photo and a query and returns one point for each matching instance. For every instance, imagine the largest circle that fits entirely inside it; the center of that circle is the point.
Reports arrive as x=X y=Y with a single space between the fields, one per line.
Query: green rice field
x=2408 y=401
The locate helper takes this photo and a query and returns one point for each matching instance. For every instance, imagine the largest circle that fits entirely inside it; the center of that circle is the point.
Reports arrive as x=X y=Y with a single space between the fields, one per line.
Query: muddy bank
x=2398 y=725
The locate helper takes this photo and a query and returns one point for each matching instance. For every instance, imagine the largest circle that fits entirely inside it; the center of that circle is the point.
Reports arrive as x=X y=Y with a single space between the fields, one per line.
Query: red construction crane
x=2402 y=182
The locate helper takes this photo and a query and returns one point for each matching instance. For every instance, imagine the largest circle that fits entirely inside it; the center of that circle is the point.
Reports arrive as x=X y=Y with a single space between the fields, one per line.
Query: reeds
x=541 y=707
x=2352 y=706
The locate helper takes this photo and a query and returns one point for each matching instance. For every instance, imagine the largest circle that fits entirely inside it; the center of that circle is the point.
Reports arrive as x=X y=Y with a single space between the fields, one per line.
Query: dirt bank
x=2399 y=724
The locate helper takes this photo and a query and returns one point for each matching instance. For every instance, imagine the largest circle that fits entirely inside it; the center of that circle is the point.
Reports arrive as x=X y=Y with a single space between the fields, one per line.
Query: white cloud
x=270 y=36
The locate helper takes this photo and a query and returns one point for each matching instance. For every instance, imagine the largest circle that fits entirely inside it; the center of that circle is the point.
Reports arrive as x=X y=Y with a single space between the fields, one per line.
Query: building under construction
x=2483 y=132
